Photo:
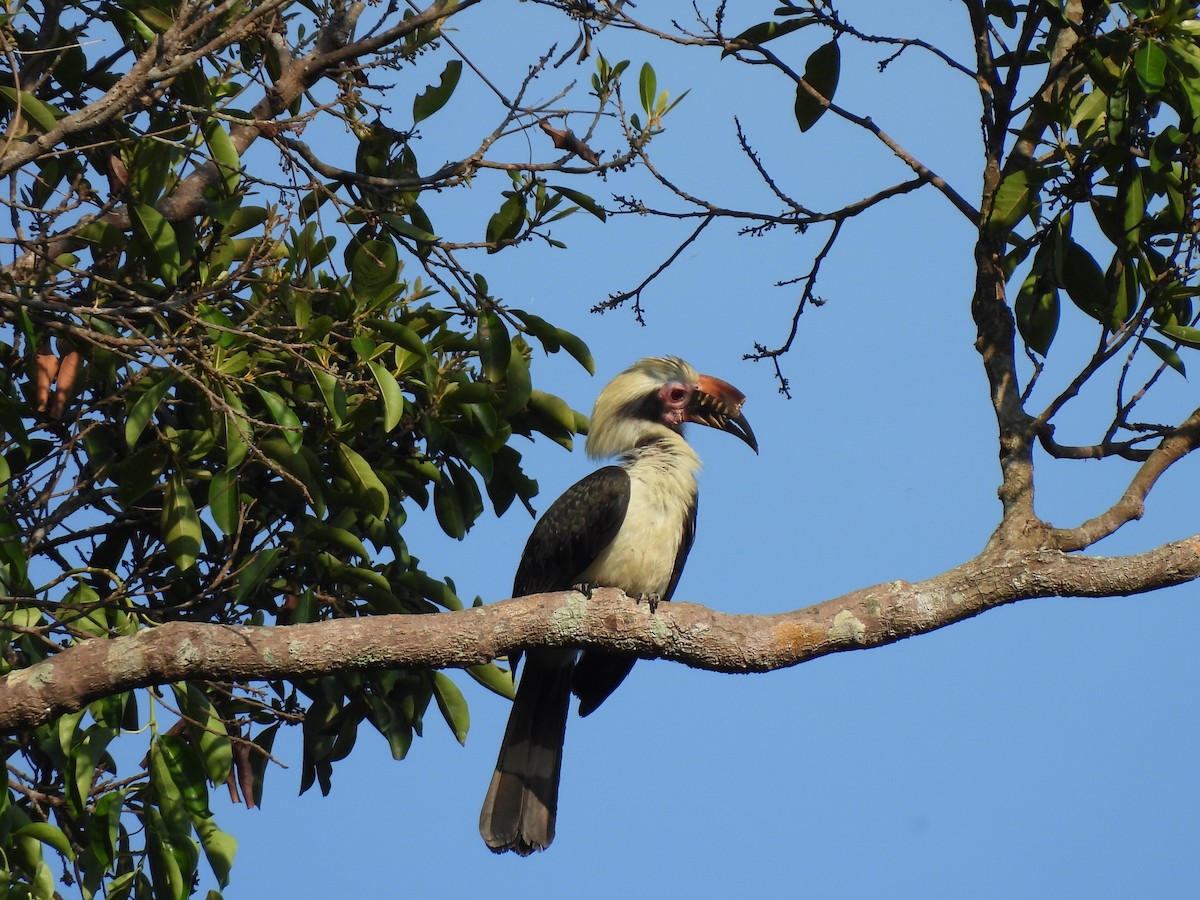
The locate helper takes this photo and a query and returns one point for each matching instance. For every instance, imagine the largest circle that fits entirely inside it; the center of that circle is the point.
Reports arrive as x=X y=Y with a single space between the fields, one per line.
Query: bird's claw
x=651 y=600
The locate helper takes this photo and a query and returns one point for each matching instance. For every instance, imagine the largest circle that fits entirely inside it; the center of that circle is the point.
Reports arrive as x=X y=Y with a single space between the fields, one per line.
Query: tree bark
x=683 y=632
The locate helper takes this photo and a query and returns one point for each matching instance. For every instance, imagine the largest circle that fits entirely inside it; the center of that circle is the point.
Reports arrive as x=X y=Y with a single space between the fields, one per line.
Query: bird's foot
x=651 y=600
x=584 y=588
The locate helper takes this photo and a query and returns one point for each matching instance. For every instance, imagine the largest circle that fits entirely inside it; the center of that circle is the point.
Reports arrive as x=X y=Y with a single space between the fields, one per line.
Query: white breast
x=641 y=558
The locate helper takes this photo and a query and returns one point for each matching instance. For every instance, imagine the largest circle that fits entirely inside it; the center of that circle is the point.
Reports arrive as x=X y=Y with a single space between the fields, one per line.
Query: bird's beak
x=718 y=404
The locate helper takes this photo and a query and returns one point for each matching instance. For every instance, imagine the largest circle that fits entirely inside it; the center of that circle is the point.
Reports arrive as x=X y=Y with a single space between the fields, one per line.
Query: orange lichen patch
x=797 y=636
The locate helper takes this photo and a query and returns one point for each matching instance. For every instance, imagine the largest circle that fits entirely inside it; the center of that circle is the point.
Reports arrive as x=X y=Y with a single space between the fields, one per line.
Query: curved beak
x=718 y=404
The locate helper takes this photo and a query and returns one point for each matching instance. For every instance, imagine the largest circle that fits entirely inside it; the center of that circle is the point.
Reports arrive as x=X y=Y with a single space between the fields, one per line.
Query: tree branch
x=188 y=198
x=682 y=632
x=1178 y=444
x=166 y=59
x=925 y=174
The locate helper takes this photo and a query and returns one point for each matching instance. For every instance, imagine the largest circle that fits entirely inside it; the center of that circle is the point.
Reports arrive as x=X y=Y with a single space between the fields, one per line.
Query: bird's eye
x=677 y=393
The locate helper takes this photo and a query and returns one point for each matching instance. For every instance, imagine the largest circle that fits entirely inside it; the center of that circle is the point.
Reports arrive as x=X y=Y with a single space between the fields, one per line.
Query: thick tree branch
x=683 y=632
x=996 y=343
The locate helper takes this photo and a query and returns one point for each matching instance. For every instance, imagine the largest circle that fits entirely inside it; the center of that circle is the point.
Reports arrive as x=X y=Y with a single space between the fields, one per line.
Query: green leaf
x=166 y=791
x=1118 y=115
x=316 y=198
x=435 y=590
x=219 y=847
x=159 y=241
x=224 y=501
x=374 y=268
x=517 y=381
x=759 y=34
x=284 y=417
x=389 y=718
x=552 y=417
x=495 y=679
x=1004 y=9
x=422 y=229
x=121 y=886
x=85 y=756
x=1167 y=355
x=224 y=154
x=366 y=482
x=412 y=230
x=332 y=394
x=821 y=72
x=506 y=223
x=101 y=234
x=578 y=349
x=435 y=96
x=1150 y=65
x=180 y=525
x=648 y=88
x=48 y=835
x=1184 y=334
x=258 y=761
x=168 y=847
x=340 y=538
x=206 y=730
x=105 y=827
x=448 y=510
x=147 y=404
x=260 y=567
x=285 y=460
x=1083 y=280
x=1015 y=197
x=398 y=333
x=389 y=391
x=1037 y=310
x=245 y=218
x=494 y=348
x=44 y=116
x=582 y=200
x=1135 y=207
x=453 y=706
x=1124 y=293
x=186 y=771
x=546 y=333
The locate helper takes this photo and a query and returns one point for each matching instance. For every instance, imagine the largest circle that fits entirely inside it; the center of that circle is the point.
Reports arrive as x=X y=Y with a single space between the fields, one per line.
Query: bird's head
x=654 y=397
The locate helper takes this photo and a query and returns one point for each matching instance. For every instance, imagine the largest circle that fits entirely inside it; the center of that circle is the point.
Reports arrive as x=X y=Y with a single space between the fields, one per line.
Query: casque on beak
x=718 y=404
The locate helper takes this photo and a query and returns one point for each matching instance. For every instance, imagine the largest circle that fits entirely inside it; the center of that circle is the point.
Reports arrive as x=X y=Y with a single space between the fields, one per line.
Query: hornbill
x=628 y=526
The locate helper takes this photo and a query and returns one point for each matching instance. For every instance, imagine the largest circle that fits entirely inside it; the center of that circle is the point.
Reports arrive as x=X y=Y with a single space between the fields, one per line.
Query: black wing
x=685 y=547
x=573 y=531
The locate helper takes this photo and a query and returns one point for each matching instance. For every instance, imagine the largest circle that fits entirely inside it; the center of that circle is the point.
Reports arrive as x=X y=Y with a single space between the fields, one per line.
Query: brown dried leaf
x=564 y=139
x=68 y=370
x=46 y=366
x=245 y=771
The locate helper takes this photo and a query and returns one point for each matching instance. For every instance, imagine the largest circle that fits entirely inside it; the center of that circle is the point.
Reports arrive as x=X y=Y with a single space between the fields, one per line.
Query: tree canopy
x=243 y=324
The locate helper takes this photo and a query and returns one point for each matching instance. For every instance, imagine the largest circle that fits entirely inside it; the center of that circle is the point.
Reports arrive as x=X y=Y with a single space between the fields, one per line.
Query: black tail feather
x=522 y=801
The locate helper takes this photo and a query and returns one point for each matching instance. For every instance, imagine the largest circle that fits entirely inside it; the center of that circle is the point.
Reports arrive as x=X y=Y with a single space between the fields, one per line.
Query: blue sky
x=1041 y=750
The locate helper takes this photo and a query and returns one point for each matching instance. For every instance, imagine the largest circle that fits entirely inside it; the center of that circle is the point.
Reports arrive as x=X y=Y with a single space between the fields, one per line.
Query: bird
x=627 y=526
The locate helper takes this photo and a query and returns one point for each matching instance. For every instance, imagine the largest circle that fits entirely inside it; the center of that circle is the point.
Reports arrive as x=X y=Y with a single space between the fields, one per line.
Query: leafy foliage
x=1121 y=160
x=227 y=382
x=237 y=355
